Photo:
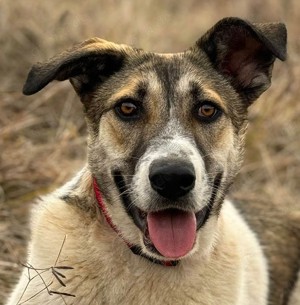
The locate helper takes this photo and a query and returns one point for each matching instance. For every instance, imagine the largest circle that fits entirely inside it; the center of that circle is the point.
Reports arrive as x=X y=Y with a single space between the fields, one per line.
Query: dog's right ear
x=86 y=65
x=244 y=53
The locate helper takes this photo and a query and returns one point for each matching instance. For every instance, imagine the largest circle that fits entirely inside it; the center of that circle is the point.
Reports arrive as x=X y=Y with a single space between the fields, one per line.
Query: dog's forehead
x=170 y=67
x=170 y=72
x=175 y=74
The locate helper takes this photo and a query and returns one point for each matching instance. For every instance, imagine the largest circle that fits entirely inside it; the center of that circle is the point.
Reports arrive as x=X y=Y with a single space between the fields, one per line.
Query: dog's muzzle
x=170 y=219
x=172 y=231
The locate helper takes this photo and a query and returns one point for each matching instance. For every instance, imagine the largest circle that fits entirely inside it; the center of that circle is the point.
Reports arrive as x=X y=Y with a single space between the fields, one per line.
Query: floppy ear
x=86 y=65
x=245 y=52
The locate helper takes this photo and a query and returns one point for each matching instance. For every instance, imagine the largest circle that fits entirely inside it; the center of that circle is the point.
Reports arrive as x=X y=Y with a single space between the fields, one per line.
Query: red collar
x=134 y=248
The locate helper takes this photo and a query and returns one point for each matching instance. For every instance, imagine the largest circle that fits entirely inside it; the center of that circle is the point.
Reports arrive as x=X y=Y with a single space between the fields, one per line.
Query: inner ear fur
x=244 y=53
x=86 y=64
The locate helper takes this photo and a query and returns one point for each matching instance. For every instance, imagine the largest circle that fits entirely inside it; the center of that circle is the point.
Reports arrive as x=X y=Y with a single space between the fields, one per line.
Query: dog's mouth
x=170 y=233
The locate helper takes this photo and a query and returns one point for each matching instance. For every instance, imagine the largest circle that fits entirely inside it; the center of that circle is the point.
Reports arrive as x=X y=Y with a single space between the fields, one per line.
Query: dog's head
x=166 y=131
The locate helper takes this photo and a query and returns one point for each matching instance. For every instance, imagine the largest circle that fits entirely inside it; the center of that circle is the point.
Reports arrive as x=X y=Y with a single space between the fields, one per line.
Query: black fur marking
x=121 y=185
x=123 y=190
x=82 y=203
x=168 y=74
x=215 y=188
x=95 y=72
x=137 y=250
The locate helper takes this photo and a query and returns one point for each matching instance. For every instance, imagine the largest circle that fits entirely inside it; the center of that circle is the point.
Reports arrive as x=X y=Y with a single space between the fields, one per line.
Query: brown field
x=42 y=138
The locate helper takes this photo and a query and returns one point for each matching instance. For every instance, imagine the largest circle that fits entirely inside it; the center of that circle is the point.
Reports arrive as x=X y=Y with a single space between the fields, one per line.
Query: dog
x=146 y=220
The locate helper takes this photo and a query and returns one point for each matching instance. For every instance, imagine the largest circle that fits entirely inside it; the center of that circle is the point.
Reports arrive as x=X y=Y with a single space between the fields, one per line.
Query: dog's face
x=166 y=131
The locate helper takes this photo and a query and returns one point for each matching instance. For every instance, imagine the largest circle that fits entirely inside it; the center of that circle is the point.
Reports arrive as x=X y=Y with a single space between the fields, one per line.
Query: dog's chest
x=140 y=282
x=105 y=271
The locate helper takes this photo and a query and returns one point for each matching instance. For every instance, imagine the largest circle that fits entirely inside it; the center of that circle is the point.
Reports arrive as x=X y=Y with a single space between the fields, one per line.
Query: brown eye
x=207 y=112
x=128 y=110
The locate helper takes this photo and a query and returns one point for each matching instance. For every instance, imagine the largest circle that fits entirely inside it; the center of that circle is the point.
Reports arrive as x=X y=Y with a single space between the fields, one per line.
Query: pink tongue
x=173 y=232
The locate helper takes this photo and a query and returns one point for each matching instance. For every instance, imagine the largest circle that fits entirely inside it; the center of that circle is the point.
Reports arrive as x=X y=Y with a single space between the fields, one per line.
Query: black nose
x=172 y=179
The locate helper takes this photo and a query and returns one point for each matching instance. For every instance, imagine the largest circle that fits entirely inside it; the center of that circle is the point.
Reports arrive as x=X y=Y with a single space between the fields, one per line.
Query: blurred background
x=43 y=137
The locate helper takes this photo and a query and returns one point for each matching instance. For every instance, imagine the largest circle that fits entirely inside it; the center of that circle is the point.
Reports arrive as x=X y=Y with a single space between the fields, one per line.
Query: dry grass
x=42 y=138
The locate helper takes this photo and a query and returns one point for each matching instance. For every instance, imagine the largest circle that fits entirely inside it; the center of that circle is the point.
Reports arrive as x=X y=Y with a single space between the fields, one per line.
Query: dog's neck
x=134 y=248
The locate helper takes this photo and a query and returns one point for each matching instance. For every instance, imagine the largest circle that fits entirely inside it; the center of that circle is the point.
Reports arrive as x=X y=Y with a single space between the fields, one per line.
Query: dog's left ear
x=245 y=52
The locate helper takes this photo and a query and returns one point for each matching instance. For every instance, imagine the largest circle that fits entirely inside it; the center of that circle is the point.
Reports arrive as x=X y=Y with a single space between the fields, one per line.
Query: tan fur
x=295 y=297
x=278 y=230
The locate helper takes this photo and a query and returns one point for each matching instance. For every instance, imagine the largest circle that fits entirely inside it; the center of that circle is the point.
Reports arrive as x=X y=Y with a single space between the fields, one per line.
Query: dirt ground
x=42 y=138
